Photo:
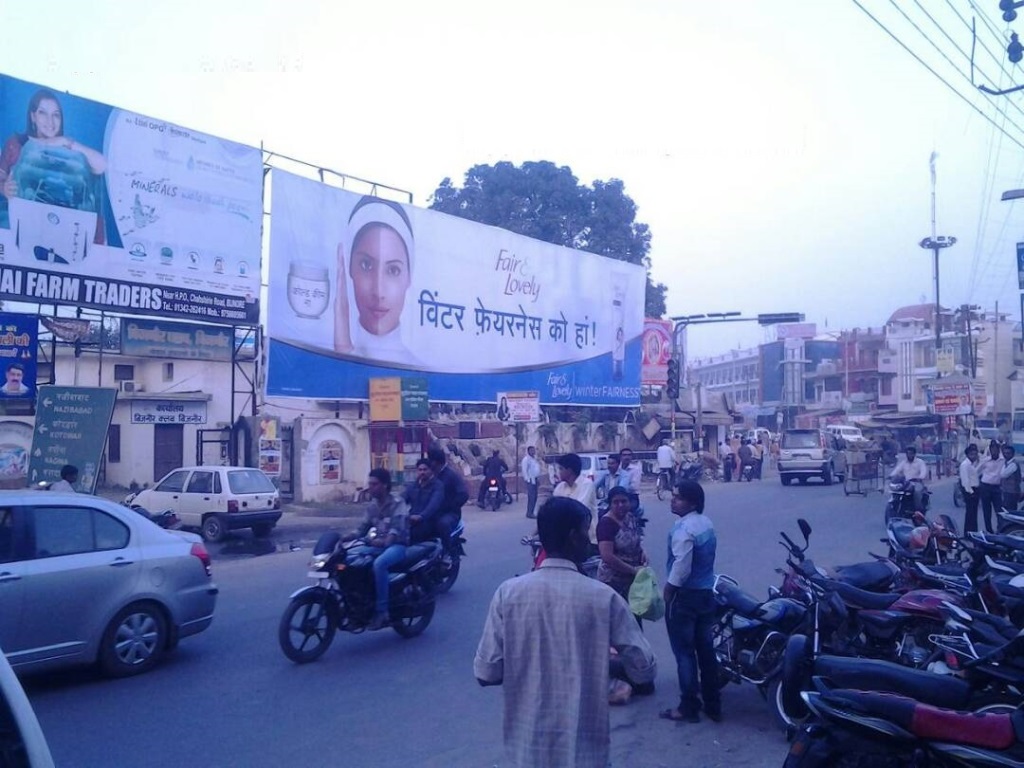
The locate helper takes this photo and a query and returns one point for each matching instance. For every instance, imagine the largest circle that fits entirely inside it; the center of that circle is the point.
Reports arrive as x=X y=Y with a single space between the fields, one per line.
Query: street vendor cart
x=863 y=472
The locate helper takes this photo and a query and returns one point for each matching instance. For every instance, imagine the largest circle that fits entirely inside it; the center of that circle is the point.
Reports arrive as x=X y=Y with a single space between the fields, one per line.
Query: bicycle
x=664 y=483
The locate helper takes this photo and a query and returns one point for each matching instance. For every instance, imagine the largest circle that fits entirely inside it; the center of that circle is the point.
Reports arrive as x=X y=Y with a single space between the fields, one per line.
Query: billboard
x=952 y=399
x=657 y=351
x=518 y=406
x=185 y=341
x=18 y=334
x=105 y=208
x=362 y=287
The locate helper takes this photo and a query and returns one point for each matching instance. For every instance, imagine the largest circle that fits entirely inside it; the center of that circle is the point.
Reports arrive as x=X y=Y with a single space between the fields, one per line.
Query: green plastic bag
x=645 y=598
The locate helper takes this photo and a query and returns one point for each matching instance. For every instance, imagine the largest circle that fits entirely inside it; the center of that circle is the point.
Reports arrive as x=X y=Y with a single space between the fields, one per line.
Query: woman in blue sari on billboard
x=47 y=166
x=380 y=267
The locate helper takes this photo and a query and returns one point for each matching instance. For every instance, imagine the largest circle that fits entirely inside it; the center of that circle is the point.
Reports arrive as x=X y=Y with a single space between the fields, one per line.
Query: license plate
x=317 y=575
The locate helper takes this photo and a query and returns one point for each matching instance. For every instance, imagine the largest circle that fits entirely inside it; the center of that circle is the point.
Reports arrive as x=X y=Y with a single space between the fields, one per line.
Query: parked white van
x=847 y=432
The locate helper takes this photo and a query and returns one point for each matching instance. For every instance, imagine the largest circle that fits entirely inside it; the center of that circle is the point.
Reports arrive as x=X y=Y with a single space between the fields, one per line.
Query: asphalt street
x=229 y=697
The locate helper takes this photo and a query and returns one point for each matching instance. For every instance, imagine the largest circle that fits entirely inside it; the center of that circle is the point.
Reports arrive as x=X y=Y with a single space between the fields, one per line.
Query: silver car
x=84 y=580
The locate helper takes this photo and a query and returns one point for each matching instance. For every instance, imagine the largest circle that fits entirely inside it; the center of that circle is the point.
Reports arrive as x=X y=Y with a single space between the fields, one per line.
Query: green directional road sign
x=71 y=428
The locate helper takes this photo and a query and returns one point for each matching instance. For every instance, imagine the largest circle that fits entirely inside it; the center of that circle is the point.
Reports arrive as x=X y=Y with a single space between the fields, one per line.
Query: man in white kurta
x=546 y=643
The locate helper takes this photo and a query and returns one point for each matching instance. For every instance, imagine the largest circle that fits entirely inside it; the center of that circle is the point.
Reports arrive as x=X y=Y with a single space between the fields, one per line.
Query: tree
x=547 y=202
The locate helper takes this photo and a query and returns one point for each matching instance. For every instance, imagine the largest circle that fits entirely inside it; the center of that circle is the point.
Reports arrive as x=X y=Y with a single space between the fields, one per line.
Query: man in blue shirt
x=690 y=606
x=425 y=498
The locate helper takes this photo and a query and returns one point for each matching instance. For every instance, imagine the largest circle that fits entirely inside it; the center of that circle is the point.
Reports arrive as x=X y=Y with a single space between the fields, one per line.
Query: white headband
x=379 y=212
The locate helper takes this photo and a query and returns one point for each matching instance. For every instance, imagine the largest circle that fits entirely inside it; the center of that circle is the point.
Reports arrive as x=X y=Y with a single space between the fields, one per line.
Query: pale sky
x=778 y=150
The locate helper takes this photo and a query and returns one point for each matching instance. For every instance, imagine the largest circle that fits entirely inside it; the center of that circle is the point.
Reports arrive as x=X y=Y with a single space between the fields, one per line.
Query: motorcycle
x=588 y=567
x=451 y=559
x=494 y=496
x=342 y=596
x=690 y=469
x=166 y=519
x=861 y=728
x=750 y=635
x=901 y=499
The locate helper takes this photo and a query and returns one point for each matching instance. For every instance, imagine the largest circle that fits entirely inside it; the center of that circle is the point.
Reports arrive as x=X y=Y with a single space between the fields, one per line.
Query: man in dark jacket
x=425 y=498
x=455 y=495
x=494 y=469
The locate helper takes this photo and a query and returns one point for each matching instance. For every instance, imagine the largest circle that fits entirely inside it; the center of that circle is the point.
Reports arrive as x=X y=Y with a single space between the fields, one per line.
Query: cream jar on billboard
x=309 y=289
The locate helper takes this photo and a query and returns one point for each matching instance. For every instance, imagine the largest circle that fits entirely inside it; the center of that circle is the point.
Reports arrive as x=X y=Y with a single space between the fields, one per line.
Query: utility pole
x=936 y=243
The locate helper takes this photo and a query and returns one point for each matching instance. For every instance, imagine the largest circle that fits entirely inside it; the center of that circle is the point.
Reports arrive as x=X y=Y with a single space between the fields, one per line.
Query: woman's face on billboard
x=380 y=277
x=46 y=119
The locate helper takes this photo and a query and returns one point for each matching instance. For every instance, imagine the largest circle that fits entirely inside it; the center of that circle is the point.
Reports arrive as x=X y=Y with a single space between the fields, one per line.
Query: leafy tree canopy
x=547 y=202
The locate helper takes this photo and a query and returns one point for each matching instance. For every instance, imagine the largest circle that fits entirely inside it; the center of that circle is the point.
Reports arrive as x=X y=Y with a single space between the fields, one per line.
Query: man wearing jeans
x=530 y=468
x=690 y=606
x=387 y=517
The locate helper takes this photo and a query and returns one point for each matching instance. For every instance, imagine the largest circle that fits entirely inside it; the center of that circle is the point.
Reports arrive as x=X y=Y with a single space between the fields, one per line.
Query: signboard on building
x=945 y=361
x=71 y=428
x=186 y=341
x=1020 y=266
x=519 y=406
x=118 y=211
x=796 y=331
x=168 y=412
x=979 y=398
x=18 y=335
x=395 y=398
x=951 y=399
x=656 y=352
x=361 y=287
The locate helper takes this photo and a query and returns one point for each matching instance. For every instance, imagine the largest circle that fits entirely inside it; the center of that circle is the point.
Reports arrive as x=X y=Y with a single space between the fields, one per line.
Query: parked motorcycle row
x=912 y=658
x=341 y=597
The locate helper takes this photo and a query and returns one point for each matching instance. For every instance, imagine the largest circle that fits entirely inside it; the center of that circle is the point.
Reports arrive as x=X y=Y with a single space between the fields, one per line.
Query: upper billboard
x=105 y=208
x=362 y=287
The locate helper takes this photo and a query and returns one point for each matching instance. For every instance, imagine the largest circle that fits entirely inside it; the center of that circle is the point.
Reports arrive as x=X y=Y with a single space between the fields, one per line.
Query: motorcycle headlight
x=319 y=562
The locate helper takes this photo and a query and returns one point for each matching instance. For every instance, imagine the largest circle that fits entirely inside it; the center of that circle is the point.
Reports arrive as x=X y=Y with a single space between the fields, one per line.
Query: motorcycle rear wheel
x=450 y=572
x=307 y=628
x=411 y=626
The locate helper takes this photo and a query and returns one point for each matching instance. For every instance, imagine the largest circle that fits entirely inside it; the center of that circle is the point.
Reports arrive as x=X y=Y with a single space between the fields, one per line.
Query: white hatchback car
x=215 y=499
x=85 y=580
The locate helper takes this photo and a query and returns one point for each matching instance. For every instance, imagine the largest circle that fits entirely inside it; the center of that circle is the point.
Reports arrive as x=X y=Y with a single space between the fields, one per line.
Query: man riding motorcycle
x=915 y=472
x=455 y=495
x=494 y=469
x=388 y=517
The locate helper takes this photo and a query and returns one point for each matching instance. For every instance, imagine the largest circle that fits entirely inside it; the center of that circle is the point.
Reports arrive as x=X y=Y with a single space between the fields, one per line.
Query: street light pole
x=936 y=243
x=680 y=324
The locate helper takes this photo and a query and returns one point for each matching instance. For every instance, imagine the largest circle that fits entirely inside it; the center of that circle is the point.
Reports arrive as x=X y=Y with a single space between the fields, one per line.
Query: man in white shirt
x=530 y=469
x=572 y=485
x=546 y=643
x=630 y=472
x=68 y=478
x=725 y=454
x=969 y=482
x=667 y=462
x=990 y=474
x=915 y=471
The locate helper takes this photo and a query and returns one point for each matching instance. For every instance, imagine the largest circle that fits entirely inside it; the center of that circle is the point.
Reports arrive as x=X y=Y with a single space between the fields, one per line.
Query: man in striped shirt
x=546 y=643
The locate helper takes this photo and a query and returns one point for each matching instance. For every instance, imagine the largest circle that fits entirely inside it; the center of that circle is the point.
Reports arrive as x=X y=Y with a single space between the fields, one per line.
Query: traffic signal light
x=673 y=378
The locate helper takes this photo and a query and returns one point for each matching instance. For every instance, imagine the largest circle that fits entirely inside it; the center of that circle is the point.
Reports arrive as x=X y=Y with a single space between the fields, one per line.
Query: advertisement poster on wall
x=362 y=287
x=270 y=445
x=518 y=407
x=657 y=351
x=18 y=336
x=110 y=209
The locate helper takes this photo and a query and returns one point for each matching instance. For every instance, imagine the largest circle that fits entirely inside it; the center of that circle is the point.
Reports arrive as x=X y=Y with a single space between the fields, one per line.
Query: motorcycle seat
x=992 y=731
x=414 y=553
x=870 y=576
x=735 y=598
x=861 y=598
x=887 y=677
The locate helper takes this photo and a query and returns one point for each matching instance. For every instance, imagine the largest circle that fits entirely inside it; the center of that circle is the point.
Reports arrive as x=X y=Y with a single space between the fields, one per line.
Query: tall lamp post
x=677 y=365
x=936 y=243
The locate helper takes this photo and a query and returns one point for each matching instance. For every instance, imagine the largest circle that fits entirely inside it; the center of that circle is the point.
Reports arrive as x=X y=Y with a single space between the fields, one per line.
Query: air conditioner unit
x=131 y=386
